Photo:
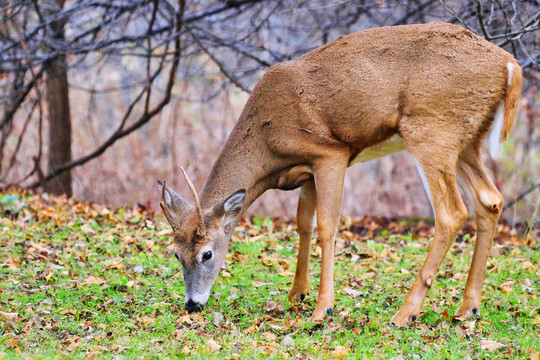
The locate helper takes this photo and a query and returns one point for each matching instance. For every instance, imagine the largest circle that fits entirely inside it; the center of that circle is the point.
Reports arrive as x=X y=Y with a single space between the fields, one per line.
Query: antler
x=202 y=227
x=165 y=207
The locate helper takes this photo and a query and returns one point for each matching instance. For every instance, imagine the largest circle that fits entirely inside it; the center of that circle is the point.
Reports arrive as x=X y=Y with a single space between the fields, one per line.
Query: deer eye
x=206 y=256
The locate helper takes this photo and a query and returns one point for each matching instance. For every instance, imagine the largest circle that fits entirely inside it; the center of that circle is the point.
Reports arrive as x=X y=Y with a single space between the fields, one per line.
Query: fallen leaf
x=351 y=292
x=147 y=320
x=339 y=353
x=490 y=345
x=68 y=311
x=87 y=229
x=507 y=287
x=534 y=354
x=185 y=319
x=528 y=265
x=74 y=343
x=218 y=317
x=213 y=346
x=252 y=329
x=9 y=316
x=92 y=280
x=270 y=336
x=286 y=273
x=367 y=275
x=116 y=348
x=270 y=305
x=287 y=340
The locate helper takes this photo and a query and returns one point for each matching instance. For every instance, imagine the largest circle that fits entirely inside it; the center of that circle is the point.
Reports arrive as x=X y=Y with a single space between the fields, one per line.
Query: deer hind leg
x=488 y=204
x=450 y=214
x=329 y=176
x=305 y=216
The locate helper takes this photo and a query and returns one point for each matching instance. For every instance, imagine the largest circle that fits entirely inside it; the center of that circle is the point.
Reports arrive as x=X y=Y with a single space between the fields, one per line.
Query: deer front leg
x=329 y=177
x=450 y=214
x=304 y=217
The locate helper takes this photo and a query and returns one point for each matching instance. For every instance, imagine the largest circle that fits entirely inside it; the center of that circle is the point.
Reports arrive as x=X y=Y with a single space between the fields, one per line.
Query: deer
x=435 y=90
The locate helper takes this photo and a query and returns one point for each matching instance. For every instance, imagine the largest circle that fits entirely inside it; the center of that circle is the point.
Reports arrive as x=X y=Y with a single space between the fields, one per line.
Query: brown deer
x=434 y=90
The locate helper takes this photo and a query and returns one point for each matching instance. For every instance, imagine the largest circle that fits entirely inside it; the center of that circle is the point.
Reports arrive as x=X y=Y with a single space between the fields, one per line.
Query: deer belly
x=391 y=145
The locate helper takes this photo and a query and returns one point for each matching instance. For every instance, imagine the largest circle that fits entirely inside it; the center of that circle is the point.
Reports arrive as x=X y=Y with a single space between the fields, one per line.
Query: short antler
x=165 y=207
x=202 y=227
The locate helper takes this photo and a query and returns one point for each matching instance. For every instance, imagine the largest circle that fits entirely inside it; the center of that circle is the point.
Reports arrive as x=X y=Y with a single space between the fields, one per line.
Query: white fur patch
x=200 y=298
x=392 y=145
x=510 y=67
x=425 y=183
x=495 y=135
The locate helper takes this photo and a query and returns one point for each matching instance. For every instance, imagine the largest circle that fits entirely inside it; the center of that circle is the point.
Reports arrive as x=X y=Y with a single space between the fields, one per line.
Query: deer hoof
x=400 y=320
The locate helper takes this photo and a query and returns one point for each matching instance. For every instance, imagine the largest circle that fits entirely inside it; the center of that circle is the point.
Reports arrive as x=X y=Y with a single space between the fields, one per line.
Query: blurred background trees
x=78 y=77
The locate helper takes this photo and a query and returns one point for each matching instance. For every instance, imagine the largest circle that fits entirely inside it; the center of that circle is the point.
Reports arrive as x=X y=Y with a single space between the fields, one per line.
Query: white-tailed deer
x=434 y=90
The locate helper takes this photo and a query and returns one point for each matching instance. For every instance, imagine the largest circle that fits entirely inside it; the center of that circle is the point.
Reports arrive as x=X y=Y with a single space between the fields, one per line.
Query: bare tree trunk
x=57 y=98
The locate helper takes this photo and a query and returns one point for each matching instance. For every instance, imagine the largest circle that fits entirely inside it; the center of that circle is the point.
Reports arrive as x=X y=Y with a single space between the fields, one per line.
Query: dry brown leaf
x=69 y=311
x=74 y=343
x=529 y=266
x=213 y=346
x=92 y=280
x=270 y=336
x=270 y=305
x=367 y=275
x=218 y=317
x=286 y=273
x=534 y=354
x=185 y=319
x=115 y=266
x=116 y=348
x=507 y=287
x=490 y=345
x=340 y=352
x=9 y=316
x=147 y=320
x=87 y=229
x=252 y=329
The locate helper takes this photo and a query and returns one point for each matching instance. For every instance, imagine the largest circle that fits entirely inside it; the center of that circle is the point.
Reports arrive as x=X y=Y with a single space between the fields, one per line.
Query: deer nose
x=192 y=306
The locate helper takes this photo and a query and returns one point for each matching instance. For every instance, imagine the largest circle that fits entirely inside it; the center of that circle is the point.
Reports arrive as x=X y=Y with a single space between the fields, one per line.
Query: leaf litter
x=91 y=281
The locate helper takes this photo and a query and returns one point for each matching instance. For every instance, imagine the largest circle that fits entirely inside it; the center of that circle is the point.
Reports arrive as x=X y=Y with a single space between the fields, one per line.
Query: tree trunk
x=57 y=97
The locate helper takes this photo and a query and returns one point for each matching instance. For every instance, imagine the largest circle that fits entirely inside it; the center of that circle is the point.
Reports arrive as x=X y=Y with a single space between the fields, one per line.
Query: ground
x=78 y=280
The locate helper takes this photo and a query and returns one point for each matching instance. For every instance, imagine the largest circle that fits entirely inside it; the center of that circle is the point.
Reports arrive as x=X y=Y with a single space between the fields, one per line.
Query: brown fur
x=436 y=85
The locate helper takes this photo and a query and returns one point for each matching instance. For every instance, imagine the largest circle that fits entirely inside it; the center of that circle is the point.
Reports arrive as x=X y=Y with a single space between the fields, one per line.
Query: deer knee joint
x=492 y=200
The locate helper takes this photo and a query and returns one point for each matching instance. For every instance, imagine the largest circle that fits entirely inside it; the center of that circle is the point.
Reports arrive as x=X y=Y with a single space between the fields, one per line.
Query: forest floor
x=78 y=280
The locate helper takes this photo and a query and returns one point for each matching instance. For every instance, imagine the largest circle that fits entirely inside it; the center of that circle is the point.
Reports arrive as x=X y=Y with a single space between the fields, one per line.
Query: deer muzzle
x=192 y=306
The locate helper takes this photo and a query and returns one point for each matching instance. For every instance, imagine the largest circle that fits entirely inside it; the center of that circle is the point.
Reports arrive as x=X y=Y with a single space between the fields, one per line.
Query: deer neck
x=240 y=165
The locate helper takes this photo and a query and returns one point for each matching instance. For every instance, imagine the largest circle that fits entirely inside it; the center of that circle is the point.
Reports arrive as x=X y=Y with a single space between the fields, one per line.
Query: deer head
x=201 y=238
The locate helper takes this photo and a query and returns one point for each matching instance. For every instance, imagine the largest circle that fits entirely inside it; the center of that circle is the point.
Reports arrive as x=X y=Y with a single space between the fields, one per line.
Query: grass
x=81 y=281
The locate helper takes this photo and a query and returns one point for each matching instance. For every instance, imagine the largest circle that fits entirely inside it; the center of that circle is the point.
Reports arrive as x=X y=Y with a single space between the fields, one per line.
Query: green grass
x=91 y=283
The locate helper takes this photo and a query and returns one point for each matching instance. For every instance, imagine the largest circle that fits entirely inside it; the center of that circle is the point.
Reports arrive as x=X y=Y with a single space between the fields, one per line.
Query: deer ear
x=233 y=204
x=174 y=201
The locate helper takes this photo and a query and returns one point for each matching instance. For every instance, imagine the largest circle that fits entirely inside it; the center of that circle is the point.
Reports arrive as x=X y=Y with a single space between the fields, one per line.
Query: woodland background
x=100 y=98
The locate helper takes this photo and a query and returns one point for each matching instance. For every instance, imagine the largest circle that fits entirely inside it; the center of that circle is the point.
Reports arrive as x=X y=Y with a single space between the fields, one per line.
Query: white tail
x=431 y=89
